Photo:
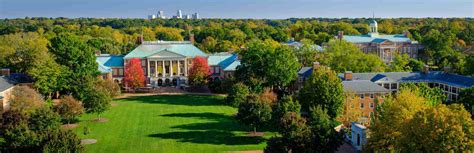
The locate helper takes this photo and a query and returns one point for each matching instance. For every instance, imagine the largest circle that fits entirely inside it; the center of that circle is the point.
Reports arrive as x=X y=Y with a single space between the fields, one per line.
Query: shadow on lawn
x=210 y=137
x=222 y=122
x=220 y=131
x=187 y=100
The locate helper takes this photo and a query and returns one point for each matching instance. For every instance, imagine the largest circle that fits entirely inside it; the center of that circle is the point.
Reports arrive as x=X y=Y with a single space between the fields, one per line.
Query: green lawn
x=169 y=124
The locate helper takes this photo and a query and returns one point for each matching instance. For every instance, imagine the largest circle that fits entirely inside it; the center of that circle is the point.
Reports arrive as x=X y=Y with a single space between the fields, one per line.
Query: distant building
x=385 y=46
x=196 y=16
x=179 y=15
x=161 y=15
x=298 y=44
x=187 y=17
x=151 y=17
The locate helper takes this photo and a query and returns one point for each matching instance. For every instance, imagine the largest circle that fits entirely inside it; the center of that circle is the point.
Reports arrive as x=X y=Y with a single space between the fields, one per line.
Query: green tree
x=285 y=105
x=438 y=129
x=237 y=94
x=417 y=125
x=344 y=56
x=466 y=98
x=307 y=53
x=295 y=135
x=325 y=137
x=166 y=33
x=79 y=60
x=265 y=61
x=323 y=88
x=21 y=51
x=469 y=67
x=47 y=75
x=254 y=112
x=97 y=102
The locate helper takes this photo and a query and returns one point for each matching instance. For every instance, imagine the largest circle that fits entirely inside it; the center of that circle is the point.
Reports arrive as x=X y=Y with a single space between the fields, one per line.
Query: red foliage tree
x=199 y=72
x=134 y=75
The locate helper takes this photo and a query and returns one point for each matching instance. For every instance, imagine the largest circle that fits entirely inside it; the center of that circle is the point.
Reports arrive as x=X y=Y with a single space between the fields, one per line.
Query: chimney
x=316 y=65
x=191 y=38
x=340 y=35
x=5 y=72
x=140 y=39
x=406 y=33
x=426 y=69
x=348 y=76
x=446 y=69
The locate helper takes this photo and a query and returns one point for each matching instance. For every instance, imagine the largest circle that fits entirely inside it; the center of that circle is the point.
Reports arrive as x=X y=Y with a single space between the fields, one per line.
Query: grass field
x=169 y=124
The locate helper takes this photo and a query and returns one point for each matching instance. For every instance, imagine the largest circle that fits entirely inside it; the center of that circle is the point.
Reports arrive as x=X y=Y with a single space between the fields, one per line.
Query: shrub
x=25 y=99
x=254 y=112
x=69 y=109
x=109 y=86
x=62 y=141
x=97 y=102
x=237 y=94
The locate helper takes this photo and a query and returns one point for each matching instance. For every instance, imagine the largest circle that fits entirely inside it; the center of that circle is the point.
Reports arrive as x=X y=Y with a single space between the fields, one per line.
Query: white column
x=163 y=68
x=156 y=68
x=178 y=68
x=171 y=68
x=148 y=67
x=185 y=67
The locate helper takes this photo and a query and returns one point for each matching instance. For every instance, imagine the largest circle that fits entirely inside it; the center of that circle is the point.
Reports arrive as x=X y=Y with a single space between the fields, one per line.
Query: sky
x=258 y=9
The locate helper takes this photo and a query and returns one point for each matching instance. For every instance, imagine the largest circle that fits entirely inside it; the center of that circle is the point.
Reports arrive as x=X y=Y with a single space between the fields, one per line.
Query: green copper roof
x=146 y=49
x=376 y=38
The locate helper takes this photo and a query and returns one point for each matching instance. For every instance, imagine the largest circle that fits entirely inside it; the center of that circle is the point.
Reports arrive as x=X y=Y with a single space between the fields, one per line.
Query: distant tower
x=196 y=16
x=373 y=27
x=151 y=17
x=180 y=15
x=161 y=14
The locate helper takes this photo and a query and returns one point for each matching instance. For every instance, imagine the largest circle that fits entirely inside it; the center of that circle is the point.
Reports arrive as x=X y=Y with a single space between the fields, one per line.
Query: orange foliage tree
x=199 y=72
x=134 y=75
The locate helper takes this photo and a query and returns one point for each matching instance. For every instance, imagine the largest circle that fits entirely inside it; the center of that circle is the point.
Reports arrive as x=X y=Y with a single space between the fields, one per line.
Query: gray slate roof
x=363 y=86
x=404 y=77
x=5 y=83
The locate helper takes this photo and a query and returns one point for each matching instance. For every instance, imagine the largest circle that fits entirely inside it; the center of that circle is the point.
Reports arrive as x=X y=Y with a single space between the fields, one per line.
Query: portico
x=168 y=71
x=166 y=63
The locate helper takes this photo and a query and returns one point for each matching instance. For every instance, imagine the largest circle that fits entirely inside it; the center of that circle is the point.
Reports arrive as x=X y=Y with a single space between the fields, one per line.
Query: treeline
x=446 y=41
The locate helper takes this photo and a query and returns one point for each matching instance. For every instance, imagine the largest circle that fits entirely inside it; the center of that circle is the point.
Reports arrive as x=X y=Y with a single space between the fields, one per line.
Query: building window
x=143 y=62
x=114 y=72
x=361 y=105
x=120 y=72
x=394 y=86
x=371 y=96
x=212 y=70
x=371 y=105
x=362 y=96
x=386 y=85
x=358 y=139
